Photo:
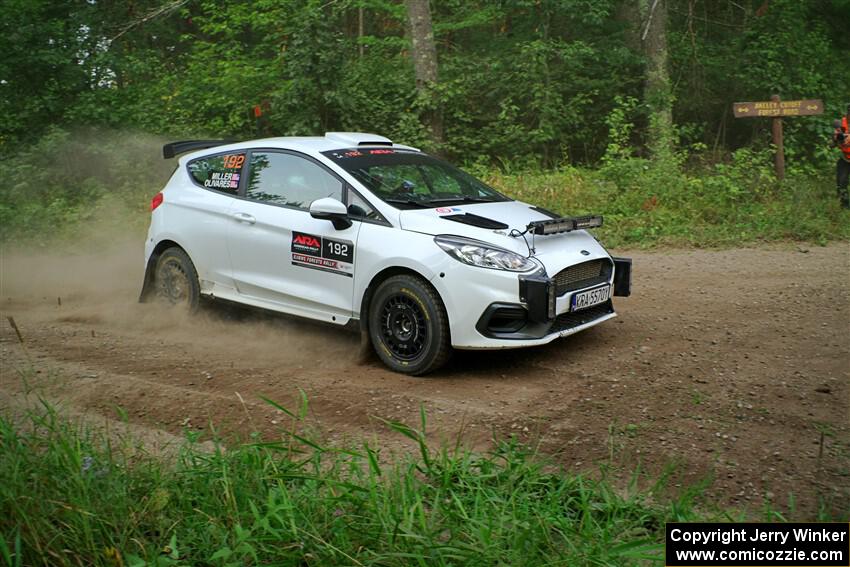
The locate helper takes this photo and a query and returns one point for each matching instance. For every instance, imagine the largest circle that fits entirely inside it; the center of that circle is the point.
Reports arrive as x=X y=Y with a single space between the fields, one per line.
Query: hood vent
x=475 y=220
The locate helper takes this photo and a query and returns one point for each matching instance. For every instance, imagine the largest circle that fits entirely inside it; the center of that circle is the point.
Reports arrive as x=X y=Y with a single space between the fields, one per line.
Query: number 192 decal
x=338 y=250
x=233 y=161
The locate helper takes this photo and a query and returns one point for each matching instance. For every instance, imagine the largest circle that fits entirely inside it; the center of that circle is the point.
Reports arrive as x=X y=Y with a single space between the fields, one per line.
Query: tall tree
x=658 y=93
x=425 y=64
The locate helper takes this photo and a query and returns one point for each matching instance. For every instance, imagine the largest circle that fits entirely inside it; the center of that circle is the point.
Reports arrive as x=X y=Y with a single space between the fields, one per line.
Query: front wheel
x=175 y=279
x=408 y=326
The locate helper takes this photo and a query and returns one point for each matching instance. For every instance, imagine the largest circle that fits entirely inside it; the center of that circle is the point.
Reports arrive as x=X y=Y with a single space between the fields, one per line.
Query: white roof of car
x=310 y=144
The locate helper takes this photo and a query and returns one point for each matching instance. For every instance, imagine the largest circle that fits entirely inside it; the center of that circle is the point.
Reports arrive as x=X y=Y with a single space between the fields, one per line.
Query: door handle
x=244 y=217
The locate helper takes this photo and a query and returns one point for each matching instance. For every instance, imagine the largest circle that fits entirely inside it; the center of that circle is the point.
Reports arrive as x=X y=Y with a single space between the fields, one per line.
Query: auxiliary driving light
x=566 y=224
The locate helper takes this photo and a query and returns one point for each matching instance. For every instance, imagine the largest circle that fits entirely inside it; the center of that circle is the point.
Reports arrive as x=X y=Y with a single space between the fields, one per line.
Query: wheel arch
x=381 y=277
x=147 y=281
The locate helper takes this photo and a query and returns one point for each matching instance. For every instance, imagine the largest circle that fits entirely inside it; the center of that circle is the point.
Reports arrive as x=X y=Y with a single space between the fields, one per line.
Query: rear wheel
x=175 y=279
x=408 y=325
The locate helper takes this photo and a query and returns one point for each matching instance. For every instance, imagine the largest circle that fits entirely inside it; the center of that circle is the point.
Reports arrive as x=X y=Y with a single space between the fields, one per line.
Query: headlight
x=483 y=255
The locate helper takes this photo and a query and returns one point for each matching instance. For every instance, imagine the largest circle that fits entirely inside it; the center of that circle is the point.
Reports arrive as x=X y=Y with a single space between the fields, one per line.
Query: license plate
x=590 y=298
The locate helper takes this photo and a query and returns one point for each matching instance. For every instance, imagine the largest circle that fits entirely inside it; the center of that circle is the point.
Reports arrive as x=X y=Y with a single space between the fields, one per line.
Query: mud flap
x=365 y=352
x=622 y=277
x=147 y=281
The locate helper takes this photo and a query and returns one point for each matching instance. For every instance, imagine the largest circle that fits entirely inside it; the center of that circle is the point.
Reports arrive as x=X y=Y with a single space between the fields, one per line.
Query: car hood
x=558 y=249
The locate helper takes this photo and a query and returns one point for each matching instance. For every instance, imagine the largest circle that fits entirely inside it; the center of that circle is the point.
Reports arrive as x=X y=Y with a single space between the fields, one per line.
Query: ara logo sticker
x=306 y=244
x=306 y=240
x=445 y=210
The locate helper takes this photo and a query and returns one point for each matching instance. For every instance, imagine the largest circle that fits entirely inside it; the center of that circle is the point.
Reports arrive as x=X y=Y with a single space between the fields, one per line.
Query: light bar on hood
x=565 y=224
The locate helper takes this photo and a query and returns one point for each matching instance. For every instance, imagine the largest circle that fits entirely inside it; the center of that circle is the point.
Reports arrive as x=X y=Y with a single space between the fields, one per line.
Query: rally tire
x=176 y=280
x=408 y=326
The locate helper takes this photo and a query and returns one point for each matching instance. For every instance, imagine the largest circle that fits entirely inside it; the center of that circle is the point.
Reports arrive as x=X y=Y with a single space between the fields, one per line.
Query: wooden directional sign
x=774 y=108
x=777 y=108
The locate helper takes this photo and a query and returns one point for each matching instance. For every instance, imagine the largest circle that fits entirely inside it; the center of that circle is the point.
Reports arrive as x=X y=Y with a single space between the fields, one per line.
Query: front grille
x=582 y=275
x=574 y=319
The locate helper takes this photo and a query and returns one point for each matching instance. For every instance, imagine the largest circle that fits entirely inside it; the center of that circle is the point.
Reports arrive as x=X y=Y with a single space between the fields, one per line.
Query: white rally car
x=351 y=227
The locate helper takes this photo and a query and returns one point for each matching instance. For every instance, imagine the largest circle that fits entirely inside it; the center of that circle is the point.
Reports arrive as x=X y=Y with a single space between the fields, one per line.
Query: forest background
x=619 y=107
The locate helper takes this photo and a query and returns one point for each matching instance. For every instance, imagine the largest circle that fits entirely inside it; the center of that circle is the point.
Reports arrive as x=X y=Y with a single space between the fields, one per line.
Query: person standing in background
x=841 y=138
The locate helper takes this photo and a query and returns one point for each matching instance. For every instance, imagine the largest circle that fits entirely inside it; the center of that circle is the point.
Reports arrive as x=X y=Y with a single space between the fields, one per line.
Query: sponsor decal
x=347 y=154
x=222 y=180
x=446 y=210
x=379 y=152
x=321 y=253
x=226 y=179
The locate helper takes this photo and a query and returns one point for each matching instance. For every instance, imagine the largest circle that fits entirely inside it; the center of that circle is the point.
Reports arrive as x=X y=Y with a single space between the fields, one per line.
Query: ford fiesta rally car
x=351 y=227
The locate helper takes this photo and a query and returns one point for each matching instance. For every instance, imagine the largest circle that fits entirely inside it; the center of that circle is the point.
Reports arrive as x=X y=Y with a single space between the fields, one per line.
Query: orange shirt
x=845 y=146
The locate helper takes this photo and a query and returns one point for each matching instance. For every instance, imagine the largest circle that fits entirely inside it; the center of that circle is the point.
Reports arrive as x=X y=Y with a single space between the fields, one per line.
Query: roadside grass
x=72 y=495
x=98 y=184
x=722 y=205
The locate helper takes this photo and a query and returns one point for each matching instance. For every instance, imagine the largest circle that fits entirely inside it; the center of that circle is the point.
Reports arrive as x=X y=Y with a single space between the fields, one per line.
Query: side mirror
x=330 y=209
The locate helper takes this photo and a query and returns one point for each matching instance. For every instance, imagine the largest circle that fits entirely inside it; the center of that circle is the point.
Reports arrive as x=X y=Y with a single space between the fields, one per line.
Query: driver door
x=283 y=257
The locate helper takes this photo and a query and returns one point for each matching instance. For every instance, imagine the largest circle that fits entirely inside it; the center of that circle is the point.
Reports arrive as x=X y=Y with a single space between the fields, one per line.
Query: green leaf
x=223 y=553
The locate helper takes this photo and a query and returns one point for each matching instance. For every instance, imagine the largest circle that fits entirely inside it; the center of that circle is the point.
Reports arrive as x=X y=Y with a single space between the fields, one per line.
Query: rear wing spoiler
x=175 y=148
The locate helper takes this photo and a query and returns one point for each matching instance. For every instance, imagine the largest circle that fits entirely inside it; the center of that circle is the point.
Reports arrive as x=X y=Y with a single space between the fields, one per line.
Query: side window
x=358 y=208
x=220 y=173
x=285 y=179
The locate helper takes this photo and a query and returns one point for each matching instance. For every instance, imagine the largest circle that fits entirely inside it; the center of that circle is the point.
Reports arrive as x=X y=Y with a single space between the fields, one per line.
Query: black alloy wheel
x=408 y=325
x=175 y=279
x=403 y=326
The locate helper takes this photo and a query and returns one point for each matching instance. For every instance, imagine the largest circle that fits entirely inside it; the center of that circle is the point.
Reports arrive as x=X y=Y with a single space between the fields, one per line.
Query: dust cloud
x=91 y=283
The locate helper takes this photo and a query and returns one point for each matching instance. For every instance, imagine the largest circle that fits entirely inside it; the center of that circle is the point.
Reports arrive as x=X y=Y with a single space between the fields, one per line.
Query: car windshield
x=410 y=179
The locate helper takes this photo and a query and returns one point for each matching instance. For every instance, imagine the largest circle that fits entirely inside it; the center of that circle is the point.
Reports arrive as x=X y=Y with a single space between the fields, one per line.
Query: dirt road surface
x=732 y=366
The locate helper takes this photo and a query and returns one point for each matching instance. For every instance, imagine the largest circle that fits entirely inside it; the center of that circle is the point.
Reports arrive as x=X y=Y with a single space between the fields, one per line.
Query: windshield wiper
x=411 y=202
x=464 y=199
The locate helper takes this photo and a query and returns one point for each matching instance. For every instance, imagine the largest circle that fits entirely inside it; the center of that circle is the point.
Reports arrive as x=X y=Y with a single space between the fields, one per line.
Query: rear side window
x=220 y=173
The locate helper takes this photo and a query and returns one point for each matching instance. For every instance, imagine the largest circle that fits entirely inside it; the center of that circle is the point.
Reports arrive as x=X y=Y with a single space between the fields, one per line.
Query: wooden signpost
x=776 y=108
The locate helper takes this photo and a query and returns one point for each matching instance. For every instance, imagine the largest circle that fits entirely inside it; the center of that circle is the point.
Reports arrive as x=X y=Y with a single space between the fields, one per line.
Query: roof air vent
x=358 y=139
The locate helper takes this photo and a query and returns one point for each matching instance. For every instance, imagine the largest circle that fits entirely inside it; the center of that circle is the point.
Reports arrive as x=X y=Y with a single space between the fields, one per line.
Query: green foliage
x=100 y=180
x=395 y=115
x=620 y=130
x=528 y=81
x=728 y=51
x=38 y=77
x=54 y=186
x=647 y=204
x=70 y=495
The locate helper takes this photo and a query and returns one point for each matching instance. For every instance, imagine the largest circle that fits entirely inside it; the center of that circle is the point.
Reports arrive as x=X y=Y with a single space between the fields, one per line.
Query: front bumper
x=539 y=315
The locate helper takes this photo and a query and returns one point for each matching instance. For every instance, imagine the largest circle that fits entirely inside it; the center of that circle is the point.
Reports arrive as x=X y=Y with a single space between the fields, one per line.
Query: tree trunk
x=360 y=30
x=658 y=92
x=425 y=64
